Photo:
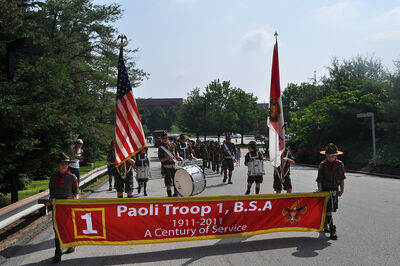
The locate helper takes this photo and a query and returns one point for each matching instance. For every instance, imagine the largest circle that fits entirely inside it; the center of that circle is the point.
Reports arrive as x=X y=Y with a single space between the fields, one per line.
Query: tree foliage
x=226 y=110
x=64 y=94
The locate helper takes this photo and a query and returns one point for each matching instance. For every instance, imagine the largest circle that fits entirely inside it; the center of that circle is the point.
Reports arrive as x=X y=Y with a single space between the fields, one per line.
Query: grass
x=41 y=185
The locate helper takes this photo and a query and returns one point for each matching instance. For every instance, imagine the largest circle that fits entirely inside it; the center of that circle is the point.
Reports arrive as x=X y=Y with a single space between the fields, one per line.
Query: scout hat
x=63 y=158
x=164 y=133
x=183 y=137
x=331 y=149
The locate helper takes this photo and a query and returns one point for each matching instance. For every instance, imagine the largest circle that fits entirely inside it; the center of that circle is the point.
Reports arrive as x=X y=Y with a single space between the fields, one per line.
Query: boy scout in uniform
x=184 y=149
x=124 y=178
x=167 y=154
x=228 y=152
x=253 y=154
x=62 y=185
x=331 y=178
x=283 y=181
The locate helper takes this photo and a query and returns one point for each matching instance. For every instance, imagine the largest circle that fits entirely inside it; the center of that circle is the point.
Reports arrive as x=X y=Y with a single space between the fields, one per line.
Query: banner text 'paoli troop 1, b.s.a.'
x=155 y=220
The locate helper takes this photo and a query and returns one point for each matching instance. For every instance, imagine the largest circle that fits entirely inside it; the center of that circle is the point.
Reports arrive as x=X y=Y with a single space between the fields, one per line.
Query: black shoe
x=145 y=193
x=332 y=232
x=326 y=229
x=110 y=188
x=70 y=250
x=247 y=192
x=224 y=180
x=56 y=258
x=139 y=189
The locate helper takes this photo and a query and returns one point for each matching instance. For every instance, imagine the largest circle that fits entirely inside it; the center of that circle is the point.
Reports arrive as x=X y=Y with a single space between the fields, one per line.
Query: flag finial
x=276 y=36
x=121 y=47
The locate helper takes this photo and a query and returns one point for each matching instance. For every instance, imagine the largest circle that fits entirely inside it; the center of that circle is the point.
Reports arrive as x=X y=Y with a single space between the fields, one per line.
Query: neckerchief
x=332 y=164
x=61 y=178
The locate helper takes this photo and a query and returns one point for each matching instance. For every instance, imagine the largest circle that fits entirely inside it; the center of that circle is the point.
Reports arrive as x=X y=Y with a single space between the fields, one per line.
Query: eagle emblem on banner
x=291 y=214
x=274 y=110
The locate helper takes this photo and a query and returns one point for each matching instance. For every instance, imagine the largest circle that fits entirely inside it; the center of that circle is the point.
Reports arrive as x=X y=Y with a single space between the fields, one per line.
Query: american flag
x=129 y=136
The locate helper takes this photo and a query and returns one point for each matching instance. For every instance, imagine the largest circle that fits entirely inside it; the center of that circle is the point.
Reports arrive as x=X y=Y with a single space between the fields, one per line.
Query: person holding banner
x=253 y=155
x=111 y=165
x=142 y=166
x=283 y=181
x=62 y=185
x=330 y=178
x=228 y=152
x=167 y=154
x=124 y=178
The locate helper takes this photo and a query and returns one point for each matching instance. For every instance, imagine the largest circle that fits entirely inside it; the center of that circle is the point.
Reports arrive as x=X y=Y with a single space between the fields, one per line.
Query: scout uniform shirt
x=184 y=150
x=63 y=186
x=141 y=160
x=232 y=149
x=331 y=174
x=162 y=154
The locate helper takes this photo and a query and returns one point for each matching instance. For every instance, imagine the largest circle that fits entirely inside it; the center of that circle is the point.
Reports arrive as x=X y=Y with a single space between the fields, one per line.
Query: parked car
x=259 y=137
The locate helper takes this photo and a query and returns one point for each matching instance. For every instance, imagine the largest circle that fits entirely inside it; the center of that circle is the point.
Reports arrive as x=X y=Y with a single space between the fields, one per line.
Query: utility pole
x=371 y=114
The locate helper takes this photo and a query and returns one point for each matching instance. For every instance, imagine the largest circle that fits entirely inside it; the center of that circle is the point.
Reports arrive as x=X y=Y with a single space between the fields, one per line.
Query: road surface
x=367 y=223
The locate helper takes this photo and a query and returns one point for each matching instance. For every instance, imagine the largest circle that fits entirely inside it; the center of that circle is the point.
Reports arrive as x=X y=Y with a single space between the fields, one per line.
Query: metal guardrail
x=18 y=210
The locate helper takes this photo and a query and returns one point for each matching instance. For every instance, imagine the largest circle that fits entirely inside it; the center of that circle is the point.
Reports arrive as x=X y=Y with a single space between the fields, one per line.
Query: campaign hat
x=331 y=149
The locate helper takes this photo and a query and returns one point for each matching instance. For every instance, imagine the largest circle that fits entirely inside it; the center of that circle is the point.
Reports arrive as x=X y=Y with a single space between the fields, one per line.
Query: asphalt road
x=367 y=223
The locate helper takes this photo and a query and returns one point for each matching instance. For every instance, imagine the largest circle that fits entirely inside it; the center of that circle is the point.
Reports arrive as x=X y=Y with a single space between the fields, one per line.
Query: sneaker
x=230 y=182
x=70 y=250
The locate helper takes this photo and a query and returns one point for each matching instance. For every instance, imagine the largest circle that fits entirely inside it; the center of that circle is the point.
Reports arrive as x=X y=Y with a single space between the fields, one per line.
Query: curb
x=358 y=172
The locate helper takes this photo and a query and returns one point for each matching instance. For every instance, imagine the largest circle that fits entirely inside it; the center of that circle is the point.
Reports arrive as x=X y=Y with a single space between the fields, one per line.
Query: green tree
x=64 y=94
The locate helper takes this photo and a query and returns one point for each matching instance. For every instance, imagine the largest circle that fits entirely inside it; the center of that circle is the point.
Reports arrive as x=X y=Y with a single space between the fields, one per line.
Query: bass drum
x=189 y=181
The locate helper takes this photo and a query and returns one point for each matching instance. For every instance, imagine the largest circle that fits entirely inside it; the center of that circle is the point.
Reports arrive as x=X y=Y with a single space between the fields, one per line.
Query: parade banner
x=156 y=220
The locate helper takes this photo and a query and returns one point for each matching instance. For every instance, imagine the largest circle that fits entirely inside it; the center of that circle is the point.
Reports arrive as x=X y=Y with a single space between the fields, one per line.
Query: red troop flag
x=275 y=118
x=129 y=136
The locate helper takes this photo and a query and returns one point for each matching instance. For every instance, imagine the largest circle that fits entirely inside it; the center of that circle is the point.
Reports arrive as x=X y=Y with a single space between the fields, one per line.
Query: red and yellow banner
x=155 y=220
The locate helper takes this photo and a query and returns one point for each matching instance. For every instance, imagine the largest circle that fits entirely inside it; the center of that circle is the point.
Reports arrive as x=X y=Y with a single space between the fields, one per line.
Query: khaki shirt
x=63 y=187
x=162 y=154
x=184 y=151
x=330 y=175
x=231 y=147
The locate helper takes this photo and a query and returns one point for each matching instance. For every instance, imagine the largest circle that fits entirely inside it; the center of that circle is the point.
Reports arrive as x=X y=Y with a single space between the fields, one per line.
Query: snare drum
x=189 y=181
x=198 y=162
x=142 y=173
x=256 y=168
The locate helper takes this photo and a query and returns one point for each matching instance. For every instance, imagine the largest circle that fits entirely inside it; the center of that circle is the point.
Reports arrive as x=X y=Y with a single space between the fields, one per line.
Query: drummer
x=167 y=154
x=252 y=155
x=184 y=149
x=142 y=160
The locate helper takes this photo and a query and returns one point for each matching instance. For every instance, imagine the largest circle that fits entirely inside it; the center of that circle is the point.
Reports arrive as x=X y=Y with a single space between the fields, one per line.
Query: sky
x=186 y=44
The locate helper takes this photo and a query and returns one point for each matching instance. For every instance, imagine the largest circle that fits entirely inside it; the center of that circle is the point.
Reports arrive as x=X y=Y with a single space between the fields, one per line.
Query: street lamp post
x=371 y=114
x=205 y=116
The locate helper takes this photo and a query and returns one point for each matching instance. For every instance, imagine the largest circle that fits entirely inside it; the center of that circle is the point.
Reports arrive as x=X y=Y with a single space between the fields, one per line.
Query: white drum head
x=183 y=183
